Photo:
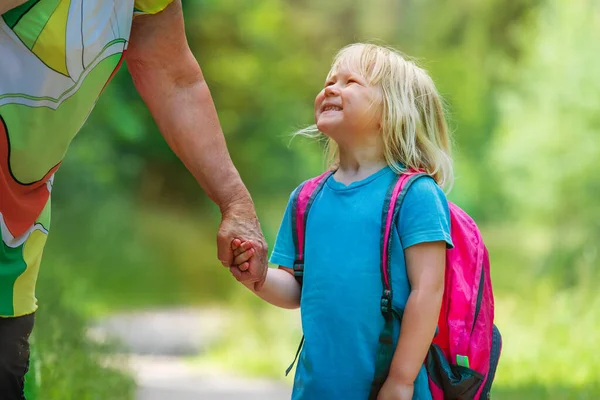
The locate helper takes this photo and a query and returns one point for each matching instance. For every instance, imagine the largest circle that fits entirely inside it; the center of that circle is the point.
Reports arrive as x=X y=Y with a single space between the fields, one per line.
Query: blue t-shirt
x=341 y=292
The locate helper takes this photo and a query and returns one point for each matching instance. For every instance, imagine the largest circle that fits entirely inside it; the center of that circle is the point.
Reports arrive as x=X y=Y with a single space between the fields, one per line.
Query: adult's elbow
x=152 y=75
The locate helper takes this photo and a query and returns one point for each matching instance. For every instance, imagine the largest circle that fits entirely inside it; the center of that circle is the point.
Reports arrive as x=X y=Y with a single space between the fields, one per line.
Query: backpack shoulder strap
x=391 y=207
x=301 y=203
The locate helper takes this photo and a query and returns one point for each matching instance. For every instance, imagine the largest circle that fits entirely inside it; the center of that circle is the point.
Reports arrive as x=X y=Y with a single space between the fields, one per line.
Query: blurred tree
x=265 y=60
x=547 y=144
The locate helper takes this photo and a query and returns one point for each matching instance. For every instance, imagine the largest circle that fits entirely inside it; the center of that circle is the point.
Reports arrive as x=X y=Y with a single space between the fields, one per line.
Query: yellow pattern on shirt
x=151 y=6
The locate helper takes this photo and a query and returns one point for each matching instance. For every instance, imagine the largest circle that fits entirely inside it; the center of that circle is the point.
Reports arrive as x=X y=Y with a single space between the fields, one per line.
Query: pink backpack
x=462 y=359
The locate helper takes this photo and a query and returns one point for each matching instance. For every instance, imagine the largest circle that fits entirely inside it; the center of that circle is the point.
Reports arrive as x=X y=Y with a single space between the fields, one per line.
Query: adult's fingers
x=237 y=274
x=258 y=265
x=244 y=277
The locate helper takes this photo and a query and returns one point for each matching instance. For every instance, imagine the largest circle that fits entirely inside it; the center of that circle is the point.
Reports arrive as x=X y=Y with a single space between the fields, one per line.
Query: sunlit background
x=132 y=231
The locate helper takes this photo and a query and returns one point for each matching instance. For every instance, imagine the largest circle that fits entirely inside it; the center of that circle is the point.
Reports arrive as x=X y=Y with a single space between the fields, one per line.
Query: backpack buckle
x=386 y=303
x=298 y=268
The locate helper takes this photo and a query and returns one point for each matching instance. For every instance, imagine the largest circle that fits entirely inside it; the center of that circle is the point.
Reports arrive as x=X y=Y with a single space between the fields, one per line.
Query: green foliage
x=65 y=364
x=547 y=141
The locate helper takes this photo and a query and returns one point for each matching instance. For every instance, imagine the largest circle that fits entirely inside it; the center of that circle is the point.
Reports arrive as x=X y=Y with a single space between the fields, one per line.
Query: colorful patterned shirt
x=56 y=57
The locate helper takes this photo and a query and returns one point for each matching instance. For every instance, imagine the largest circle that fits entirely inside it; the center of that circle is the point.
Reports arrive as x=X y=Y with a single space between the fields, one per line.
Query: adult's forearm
x=188 y=120
x=417 y=331
x=171 y=83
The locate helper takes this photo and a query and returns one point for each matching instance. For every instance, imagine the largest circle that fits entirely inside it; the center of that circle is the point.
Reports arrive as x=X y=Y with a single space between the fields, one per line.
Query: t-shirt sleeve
x=142 y=7
x=424 y=215
x=284 y=250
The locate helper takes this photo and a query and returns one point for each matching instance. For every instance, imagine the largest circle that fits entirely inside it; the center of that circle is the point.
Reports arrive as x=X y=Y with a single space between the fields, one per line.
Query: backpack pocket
x=457 y=382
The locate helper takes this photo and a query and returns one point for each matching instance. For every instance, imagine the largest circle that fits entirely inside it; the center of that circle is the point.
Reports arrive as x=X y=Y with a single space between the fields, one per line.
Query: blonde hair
x=414 y=129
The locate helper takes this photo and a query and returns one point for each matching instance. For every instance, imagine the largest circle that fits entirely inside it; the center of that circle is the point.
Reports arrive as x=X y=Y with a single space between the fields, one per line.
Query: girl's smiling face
x=348 y=106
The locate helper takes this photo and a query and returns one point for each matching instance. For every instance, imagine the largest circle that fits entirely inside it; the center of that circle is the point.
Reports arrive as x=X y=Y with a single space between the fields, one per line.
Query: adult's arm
x=171 y=83
x=6 y=5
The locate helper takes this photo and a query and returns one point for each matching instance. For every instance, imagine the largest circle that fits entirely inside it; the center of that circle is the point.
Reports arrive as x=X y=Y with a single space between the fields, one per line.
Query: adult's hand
x=239 y=221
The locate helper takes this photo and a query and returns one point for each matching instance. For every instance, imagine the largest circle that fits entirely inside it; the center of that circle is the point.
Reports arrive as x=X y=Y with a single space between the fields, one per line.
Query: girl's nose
x=331 y=90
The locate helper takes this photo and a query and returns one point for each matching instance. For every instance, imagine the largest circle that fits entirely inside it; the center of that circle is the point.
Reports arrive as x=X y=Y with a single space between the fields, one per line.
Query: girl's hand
x=394 y=390
x=242 y=253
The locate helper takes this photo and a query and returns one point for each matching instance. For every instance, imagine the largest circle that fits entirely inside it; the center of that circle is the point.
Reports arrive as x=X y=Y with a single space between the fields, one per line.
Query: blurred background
x=133 y=232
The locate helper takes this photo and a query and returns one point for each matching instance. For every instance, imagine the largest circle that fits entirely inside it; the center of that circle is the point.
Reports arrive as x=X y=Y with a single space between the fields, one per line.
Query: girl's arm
x=280 y=288
x=425 y=264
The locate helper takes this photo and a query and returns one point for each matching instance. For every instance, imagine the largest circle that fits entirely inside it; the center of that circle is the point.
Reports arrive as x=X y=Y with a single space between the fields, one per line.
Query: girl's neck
x=358 y=162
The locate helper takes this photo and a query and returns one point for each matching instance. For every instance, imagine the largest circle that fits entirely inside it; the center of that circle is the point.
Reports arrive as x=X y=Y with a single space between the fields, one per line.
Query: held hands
x=243 y=253
x=240 y=221
x=395 y=390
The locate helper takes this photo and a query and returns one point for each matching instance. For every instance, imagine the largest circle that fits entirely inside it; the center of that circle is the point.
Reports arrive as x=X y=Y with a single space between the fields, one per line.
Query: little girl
x=382 y=115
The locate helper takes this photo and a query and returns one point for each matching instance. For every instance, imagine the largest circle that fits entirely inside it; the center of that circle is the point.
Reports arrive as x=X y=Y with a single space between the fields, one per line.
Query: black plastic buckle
x=298 y=268
x=386 y=303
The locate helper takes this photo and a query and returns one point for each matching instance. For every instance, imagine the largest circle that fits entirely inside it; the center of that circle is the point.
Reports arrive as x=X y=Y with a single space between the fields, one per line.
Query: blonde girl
x=381 y=114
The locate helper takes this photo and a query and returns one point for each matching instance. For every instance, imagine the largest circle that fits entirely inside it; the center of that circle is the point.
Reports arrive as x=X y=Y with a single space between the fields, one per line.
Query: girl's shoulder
x=294 y=193
x=425 y=186
x=425 y=194
x=425 y=214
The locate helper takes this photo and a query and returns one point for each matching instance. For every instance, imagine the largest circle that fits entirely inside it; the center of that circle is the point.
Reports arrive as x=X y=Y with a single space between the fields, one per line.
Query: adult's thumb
x=237 y=274
x=259 y=284
x=224 y=252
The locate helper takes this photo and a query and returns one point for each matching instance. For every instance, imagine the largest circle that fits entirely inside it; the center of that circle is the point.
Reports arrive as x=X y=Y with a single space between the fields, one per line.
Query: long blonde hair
x=414 y=129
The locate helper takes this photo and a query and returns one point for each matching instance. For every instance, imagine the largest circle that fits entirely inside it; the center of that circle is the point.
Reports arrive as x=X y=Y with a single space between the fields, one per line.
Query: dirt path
x=170 y=378
x=159 y=343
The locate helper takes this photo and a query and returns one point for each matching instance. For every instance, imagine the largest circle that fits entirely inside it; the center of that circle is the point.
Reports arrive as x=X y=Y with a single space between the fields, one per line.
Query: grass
x=65 y=364
x=548 y=348
x=551 y=339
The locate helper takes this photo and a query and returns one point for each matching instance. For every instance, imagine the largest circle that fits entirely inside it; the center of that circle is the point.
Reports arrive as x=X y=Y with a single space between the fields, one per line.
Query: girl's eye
x=351 y=81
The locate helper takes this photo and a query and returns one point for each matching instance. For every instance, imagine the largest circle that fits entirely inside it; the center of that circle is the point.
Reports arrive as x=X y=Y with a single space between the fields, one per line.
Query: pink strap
x=306 y=192
x=389 y=221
